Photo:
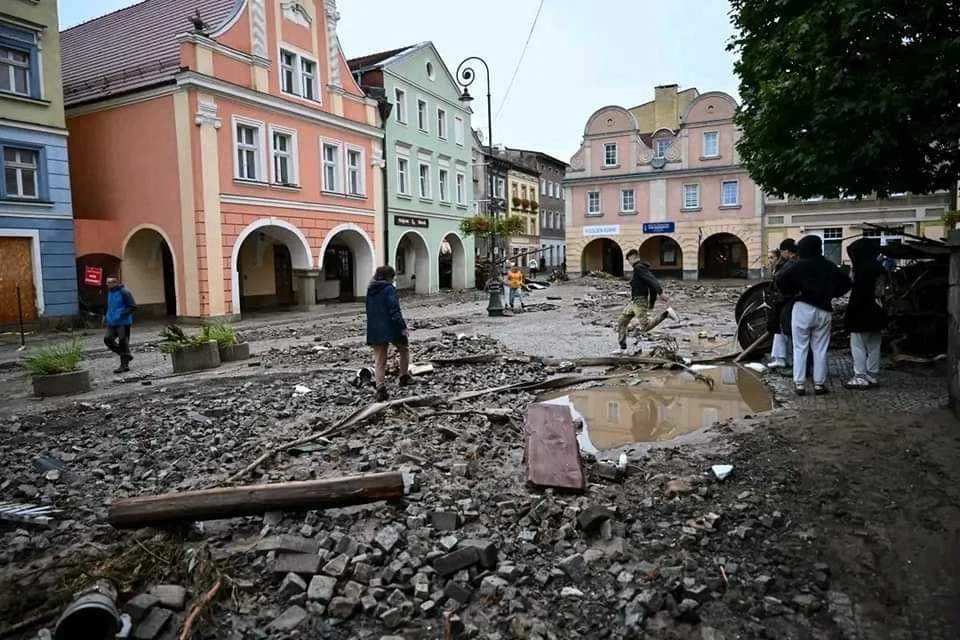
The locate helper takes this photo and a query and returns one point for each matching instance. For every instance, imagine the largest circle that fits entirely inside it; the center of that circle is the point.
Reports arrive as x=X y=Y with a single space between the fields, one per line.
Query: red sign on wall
x=93 y=276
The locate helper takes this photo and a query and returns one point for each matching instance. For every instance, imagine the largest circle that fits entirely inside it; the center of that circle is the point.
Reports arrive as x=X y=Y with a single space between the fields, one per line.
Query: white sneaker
x=673 y=315
x=777 y=363
x=871 y=379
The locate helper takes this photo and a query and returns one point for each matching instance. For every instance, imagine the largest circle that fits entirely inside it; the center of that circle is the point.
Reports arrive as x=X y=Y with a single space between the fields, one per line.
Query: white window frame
x=599 y=208
x=836 y=234
x=500 y=188
x=10 y=66
x=722 y=193
x=293 y=154
x=441 y=123
x=633 y=197
x=443 y=185
x=423 y=126
x=543 y=186
x=424 y=186
x=339 y=186
x=299 y=57
x=461 y=187
x=659 y=153
x=607 y=146
x=716 y=135
x=291 y=68
x=400 y=98
x=403 y=188
x=458 y=130
x=683 y=196
x=19 y=167
x=259 y=151
x=360 y=170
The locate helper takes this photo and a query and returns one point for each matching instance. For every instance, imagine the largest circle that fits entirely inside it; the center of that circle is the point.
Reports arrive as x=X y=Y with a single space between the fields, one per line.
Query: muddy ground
x=839 y=520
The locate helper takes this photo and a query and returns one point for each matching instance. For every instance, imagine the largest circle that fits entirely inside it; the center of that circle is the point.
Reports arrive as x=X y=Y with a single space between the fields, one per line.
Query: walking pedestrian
x=644 y=290
x=532 y=265
x=786 y=255
x=120 y=308
x=385 y=327
x=814 y=282
x=865 y=318
x=515 y=284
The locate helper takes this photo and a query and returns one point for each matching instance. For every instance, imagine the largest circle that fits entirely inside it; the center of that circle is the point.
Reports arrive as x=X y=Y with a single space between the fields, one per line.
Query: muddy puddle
x=659 y=407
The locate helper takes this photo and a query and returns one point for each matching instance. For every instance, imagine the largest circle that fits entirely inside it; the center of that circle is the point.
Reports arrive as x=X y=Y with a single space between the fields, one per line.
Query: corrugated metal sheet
x=132 y=47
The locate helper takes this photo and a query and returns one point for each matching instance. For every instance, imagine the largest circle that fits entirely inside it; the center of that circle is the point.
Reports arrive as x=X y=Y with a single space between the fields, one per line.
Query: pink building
x=224 y=158
x=664 y=177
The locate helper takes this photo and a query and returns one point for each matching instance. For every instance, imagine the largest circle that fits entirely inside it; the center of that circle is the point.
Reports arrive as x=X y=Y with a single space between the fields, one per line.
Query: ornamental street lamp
x=465 y=77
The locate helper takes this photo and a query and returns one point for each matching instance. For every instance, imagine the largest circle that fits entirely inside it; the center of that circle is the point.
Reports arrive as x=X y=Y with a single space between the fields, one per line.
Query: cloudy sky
x=583 y=54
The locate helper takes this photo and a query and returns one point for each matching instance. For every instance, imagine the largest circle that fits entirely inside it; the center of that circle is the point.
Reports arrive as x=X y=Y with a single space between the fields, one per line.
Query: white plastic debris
x=420 y=369
x=721 y=470
x=755 y=366
x=622 y=462
x=301 y=390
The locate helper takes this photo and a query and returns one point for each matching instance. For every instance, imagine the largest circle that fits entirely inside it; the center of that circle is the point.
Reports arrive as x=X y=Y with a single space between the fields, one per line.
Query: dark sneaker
x=406 y=380
x=623 y=346
x=800 y=390
x=122 y=369
x=820 y=390
x=382 y=394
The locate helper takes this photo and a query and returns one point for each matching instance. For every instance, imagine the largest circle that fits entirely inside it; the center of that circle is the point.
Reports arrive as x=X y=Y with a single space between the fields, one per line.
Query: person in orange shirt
x=515 y=283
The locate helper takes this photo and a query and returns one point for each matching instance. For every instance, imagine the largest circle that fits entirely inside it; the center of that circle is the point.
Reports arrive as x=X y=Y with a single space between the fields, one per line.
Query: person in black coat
x=813 y=282
x=865 y=318
x=386 y=326
x=776 y=326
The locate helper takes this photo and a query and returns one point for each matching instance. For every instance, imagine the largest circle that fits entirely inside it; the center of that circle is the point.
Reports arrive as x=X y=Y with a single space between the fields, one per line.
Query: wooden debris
x=552 y=452
x=195 y=611
x=756 y=343
x=230 y=502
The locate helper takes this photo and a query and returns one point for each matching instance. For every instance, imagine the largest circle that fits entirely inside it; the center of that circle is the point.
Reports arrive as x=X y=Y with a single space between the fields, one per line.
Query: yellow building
x=523 y=200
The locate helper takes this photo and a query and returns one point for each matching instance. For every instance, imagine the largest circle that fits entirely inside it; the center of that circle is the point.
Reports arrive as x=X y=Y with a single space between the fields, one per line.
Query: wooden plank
x=230 y=502
x=552 y=452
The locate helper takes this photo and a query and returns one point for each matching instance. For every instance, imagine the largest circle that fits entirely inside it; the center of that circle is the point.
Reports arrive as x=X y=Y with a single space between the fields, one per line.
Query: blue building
x=37 y=256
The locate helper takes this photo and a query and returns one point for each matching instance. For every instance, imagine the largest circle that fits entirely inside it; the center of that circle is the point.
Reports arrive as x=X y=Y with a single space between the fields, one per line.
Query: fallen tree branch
x=491 y=413
x=616 y=361
x=197 y=608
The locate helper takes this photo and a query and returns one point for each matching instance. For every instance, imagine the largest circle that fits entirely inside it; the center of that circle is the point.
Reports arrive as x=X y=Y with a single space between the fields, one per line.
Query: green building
x=429 y=174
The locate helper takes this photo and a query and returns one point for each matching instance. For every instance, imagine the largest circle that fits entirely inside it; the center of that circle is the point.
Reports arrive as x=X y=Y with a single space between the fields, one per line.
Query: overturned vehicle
x=913 y=293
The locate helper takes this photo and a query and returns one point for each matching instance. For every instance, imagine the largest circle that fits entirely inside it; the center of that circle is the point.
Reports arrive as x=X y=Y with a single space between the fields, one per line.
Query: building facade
x=839 y=222
x=36 y=215
x=227 y=167
x=429 y=153
x=523 y=200
x=552 y=172
x=665 y=178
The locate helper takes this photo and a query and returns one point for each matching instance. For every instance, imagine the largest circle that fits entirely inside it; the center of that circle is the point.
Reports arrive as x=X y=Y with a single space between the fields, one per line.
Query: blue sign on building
x=659 y=227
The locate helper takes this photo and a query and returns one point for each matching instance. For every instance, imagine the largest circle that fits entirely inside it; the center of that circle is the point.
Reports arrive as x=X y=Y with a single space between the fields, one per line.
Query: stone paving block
x=305 y=563
x=155 y=622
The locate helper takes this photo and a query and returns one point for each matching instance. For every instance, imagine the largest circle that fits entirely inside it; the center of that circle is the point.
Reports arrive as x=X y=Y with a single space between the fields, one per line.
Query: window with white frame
x=627 y=201
x=458 y=130
x=422 y=115
x=500 y=188
x=711 y=144
x=729 y=193
x=833 y=233
x=441 y=123
x=610 y=154
x=21 y=173
x=593 y=203
x=298 y=74
x=400 y=97
x=425 y=190
x=660 y=147
x=461 y=188
x=403 y=175
x=18 y=70
x=355 y=182
x=249 y=146
x=443 y=184
x=283 y=149
x=691 y=196
x=543 y=187
x=331 y=167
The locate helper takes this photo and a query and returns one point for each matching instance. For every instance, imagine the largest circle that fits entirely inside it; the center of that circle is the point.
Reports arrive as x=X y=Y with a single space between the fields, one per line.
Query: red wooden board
x=552 y=451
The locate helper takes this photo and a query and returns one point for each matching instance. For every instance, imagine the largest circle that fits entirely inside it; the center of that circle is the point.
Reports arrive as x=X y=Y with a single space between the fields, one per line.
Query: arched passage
x=723 y=255
x=411 y=259
x=603 y=254
x=265 y=256
x=147 y=269
x=664 y=256
x=452 y=258
x=346 y=263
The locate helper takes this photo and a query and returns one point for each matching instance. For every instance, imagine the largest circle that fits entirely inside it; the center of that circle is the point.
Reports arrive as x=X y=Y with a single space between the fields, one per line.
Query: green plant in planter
x=173 y=339
x=223 y=334
x=53 y=359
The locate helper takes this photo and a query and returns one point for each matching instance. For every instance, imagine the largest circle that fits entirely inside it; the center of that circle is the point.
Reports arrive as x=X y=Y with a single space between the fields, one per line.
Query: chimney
x=666 y=107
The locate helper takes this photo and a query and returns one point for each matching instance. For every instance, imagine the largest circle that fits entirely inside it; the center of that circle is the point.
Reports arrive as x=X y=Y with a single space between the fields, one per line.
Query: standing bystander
x=865 y=318
x=120 y=308
x=386 y=326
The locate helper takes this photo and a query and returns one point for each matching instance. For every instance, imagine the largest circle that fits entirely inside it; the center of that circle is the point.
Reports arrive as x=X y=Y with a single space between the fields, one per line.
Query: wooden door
x=283 y=274
x=16 y=267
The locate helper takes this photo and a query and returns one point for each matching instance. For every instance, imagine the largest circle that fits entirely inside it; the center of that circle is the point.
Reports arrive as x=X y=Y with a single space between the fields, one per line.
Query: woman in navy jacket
x=386 y=326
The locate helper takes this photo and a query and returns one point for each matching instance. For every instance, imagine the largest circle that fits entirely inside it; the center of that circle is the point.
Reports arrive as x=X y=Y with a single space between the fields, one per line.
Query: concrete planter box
x=234 y=352
x=62 y=384
x=196 y=357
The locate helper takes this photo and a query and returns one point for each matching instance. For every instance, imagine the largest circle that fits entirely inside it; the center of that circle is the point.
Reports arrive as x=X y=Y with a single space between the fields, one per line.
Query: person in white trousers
x=814 y=282
x=865 y=318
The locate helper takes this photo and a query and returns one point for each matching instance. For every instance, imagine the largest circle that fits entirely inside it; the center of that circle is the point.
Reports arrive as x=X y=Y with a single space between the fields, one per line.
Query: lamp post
x=465 y=77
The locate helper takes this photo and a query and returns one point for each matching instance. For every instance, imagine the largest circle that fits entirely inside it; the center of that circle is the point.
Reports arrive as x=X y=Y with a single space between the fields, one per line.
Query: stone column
x=954 y=326
x=306 y=290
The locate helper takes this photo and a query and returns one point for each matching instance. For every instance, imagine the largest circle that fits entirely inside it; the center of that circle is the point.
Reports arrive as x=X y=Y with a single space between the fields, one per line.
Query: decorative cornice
x=655 y=175
x=231 y=198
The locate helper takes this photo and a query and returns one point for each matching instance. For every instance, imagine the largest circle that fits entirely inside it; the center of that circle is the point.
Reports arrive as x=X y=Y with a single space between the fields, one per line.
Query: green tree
x=849 y=96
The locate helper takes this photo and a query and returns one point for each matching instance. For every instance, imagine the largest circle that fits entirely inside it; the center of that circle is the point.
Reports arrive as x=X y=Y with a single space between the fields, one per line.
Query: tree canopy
x=849 y=97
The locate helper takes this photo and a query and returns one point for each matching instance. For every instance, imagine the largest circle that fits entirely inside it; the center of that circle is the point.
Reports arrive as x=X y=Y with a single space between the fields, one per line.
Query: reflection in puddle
x=663 y=407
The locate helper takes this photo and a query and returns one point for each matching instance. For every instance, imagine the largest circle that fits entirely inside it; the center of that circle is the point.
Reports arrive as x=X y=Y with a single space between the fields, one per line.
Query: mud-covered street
x=839 y=519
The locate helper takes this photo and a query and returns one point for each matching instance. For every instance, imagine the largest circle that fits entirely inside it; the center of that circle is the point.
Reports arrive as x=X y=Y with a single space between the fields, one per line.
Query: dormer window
x=660 y=147
x=610 y=154
x=298 y=74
